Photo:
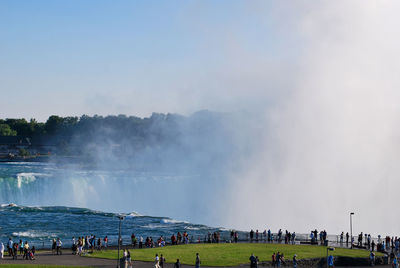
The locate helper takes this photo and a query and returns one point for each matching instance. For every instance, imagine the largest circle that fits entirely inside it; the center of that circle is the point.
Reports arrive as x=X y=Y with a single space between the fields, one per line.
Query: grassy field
x=231 y=254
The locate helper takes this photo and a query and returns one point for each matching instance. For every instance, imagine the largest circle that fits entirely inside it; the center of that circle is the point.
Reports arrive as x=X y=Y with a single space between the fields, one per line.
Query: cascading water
x=41 y=201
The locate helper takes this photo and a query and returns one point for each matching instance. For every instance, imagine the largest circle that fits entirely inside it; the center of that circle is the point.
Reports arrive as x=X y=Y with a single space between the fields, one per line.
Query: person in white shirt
x=1 y=250
x=157 y=262
x=58 y=246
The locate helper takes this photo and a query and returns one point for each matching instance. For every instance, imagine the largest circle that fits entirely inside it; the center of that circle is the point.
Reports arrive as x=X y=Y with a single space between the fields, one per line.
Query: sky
x=320 y=77
x=135 y=57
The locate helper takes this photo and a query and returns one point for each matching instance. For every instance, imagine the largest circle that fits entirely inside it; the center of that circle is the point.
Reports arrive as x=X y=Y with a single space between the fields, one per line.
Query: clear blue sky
x=136 y=57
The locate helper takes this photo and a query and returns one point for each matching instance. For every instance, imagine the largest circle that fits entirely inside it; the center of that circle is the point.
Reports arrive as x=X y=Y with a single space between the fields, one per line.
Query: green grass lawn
x=231 y=254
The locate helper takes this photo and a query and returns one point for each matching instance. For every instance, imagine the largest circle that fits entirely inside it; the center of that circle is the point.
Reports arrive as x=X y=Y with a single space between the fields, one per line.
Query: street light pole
x=351 y=230
x=121 y=218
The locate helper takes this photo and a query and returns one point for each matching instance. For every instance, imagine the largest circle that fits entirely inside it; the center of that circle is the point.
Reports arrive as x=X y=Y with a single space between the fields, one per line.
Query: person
x=330 y=261
x=162 y=261
x=106 y=242
x=21 y=247
x=273 y=259
x=15 y=251
x=252 y=261
x=395 y=263
x=372 y=258
x=177 y=264
x=25 y=250
x=197 y=261
x=58 y=246
x=157 y=262
x=295 y=261
x=283 y=259
x=1 y=250
x=31 y=253
x=53 y=246
x=99 y=244
x=128 y=257
x=278 y=259
x=123 y=260
x=10 y=246
x=141 y=242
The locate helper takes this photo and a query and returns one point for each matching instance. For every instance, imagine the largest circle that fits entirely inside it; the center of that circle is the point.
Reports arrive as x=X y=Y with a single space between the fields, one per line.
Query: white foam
x=8 y=205
x=192 y=228
x=32 y=234
x=134 y=214
x=171 y=221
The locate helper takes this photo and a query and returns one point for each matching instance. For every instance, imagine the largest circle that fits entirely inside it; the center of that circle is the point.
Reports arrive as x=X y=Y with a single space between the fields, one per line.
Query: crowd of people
x=277 y=260
x=268 y=236
x=86 y=244
x=15 y=249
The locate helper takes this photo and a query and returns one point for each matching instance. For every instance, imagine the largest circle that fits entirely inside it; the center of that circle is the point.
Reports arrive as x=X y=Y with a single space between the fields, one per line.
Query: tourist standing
x=395 y=263
x=21 y=247
x=273 y=259
x=252 y=261
x=25 y=250
x=1 y=250
x=10 y=246
x=157 y=261
x=106 y=242
x=162 y=261
x=372 y=258
x=197 y=260
x=58 y=246
x=128 y=256
x=53 y=246
x=177 y=264
x=295 y=261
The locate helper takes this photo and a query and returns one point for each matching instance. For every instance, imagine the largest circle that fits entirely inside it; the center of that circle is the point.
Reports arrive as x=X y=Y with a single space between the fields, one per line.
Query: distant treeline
x=71 y=125
x=200 y=138
x=75 y=126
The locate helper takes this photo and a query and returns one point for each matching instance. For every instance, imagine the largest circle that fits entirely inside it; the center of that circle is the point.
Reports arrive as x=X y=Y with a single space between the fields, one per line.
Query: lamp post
x=121 y=218
x=351 y=230
x=327 y=259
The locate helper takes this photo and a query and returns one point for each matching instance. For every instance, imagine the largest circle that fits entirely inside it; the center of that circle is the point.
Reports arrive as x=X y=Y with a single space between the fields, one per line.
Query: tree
x=21 y=126
x=53 y=124
x=5 y=130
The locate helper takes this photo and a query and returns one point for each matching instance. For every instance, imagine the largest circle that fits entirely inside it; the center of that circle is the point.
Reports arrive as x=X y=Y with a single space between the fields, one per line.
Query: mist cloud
x=330 y=146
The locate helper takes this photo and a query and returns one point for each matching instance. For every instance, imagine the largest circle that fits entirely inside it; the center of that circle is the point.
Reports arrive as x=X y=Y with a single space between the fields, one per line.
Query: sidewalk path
x=48 y=258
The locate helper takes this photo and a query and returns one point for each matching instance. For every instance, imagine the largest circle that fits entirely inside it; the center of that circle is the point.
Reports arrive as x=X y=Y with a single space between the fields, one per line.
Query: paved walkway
x=66 y=259
x=47 y=258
